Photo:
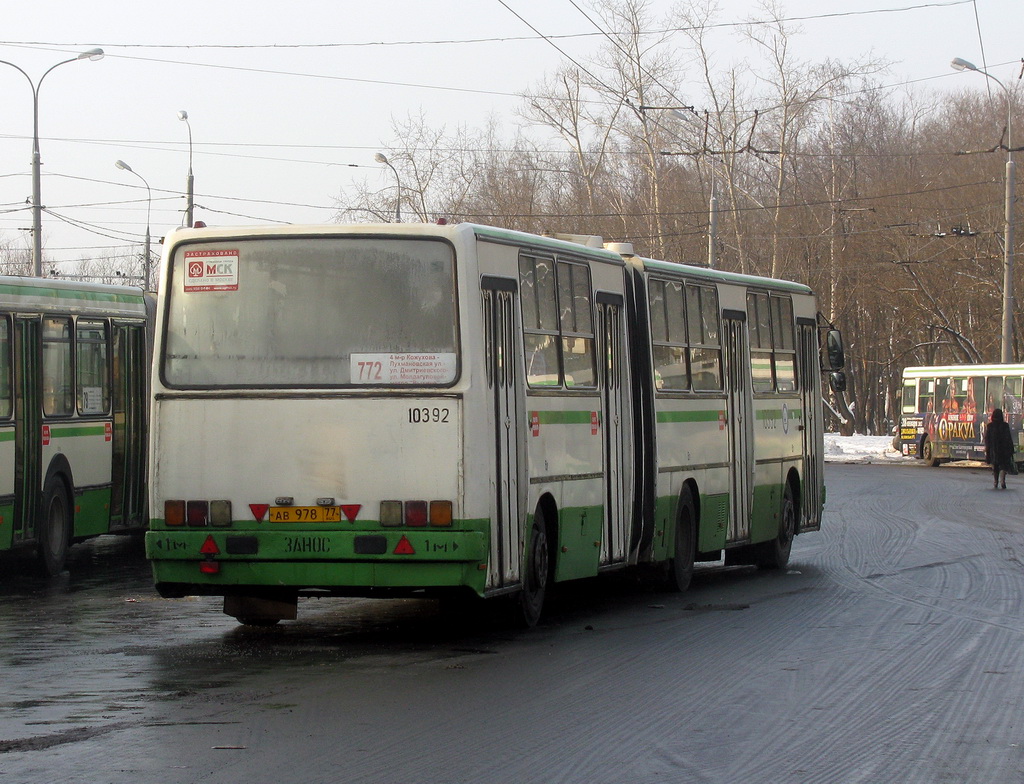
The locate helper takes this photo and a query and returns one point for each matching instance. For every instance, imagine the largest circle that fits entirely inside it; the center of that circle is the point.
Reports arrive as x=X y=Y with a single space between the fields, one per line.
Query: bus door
x=812 y=427
x=28 y=426
x=740 y=416
x=615 y=401
x=506 y=390
x=128 y=445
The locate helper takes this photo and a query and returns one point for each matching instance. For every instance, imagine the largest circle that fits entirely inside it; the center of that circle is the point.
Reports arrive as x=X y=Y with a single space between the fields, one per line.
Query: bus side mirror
x=837 y=381
x=834 y=350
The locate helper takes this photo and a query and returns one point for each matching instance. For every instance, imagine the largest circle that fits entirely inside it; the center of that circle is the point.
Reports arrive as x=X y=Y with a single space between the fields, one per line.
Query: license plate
x=305 y=514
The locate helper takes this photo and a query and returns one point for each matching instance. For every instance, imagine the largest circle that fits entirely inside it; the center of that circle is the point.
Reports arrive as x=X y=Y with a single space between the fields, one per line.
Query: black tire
x=53 y=529
x=536 y=569
x=928 y=453
x=775 y=554
x=680 y=566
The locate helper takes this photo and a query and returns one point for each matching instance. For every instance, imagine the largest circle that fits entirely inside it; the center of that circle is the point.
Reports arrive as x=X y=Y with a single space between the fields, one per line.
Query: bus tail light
x=174 y=512
x=197 y=513
x=416 y=514
x=208 y=550
x=390 y=513
x=441 y=514
x=220 y=513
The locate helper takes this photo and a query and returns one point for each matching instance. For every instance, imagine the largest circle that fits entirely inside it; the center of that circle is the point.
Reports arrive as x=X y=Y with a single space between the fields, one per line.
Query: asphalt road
x=890 y=650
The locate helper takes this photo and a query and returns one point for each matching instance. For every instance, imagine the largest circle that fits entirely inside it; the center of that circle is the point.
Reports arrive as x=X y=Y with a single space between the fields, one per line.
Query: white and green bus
x=74 y=371
x=386 y=410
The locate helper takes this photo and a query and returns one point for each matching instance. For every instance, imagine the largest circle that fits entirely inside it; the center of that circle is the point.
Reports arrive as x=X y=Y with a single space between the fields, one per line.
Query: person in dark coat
x=999 y=448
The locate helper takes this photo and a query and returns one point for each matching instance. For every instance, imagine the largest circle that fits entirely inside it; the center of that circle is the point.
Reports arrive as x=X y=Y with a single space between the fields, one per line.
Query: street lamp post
x=37 y=206
x=1006 y=345
x=189 y=204
x=149 y=206
x=382 y=158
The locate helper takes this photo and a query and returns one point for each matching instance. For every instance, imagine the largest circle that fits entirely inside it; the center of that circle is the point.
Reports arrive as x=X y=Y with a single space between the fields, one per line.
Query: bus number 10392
x=424 y=414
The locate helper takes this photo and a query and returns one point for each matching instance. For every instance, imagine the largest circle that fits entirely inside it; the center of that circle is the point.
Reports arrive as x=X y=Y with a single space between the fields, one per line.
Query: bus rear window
x=312 y=312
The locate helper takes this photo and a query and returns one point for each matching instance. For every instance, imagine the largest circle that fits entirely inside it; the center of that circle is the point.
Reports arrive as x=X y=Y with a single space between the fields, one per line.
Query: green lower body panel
x=92 y=512
x=6 y=526
x=304 y=559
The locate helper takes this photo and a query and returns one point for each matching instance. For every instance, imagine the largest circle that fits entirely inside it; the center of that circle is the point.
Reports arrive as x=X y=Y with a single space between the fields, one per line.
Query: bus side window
x=910 y=398
x=91 y=366
x=926 y=402
x=6 y=399
x=994 y=394
x=759 y=324
x=540 y=321
x=577 y=325
x=58 y=397
x=705 y=345
x=783 y=344
x=668 y=335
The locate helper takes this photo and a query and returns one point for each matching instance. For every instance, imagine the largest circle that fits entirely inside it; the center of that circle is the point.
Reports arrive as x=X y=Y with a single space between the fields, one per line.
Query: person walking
x=999 y=448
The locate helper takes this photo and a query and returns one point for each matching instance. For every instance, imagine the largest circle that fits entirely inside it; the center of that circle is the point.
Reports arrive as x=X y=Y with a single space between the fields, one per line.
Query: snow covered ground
x=861 y=449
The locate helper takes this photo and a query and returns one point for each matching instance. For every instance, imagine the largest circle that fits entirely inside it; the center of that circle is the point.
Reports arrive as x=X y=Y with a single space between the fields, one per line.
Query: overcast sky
x=288 y=102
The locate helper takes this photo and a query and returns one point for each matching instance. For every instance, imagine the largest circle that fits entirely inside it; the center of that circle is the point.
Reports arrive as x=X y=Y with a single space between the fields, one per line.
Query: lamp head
x=959 y=64
x=92 y=54
x=380 y=158
x=183 y=115
x=122 y=165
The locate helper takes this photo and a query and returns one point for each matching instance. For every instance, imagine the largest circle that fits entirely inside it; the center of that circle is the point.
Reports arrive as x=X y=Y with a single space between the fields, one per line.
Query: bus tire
x=775 y=554
x=680 y=566
x=535 y=573
x=53 y=530
x=928 y=453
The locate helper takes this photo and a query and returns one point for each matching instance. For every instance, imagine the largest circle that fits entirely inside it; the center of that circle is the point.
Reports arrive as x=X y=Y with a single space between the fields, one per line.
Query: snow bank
x=861 y=449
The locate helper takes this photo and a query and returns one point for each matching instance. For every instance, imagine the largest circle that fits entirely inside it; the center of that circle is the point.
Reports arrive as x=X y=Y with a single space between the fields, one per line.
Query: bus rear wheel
x=535 y=573
x=680 y=570
x=54 y=528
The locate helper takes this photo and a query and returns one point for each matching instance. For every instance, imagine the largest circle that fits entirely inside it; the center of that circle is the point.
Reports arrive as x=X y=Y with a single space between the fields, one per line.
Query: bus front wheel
x=775 y=554
x=928 y=453
x=54 y=528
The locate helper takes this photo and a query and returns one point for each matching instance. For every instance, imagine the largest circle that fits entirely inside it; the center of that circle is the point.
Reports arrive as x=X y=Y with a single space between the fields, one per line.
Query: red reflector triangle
x=209 y=547
x=351 y=510
x=259 y=511
x=404 y=547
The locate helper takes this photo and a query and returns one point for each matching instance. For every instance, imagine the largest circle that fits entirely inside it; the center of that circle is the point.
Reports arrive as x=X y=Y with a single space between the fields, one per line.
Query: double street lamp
x=1006 y=343
x=37 y=206
x=149 y=206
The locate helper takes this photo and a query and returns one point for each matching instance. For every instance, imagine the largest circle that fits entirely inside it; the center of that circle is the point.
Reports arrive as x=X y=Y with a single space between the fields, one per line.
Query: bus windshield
x=311 y=312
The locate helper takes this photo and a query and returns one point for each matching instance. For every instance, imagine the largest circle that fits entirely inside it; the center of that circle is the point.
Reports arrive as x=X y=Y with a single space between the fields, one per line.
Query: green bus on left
x=74 y=366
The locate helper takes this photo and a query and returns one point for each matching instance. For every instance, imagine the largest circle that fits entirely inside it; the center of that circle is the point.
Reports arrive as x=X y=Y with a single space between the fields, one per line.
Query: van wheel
x=53 y=530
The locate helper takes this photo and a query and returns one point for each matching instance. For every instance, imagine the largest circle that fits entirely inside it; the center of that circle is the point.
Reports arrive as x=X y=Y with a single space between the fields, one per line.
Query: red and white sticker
x=108 y=431
x=46 y=435
x=211 y=270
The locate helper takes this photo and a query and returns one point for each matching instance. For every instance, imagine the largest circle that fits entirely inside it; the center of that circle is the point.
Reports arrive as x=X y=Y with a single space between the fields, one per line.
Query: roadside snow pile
x=860 y=449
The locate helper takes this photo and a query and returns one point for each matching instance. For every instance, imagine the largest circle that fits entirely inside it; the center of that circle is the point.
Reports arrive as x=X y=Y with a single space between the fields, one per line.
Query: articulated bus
x=386 y=410
x=74 y=370
x=945 y=409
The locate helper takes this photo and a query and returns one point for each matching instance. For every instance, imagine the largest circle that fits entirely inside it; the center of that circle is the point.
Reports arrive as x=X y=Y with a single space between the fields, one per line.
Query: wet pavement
x=889 y=650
